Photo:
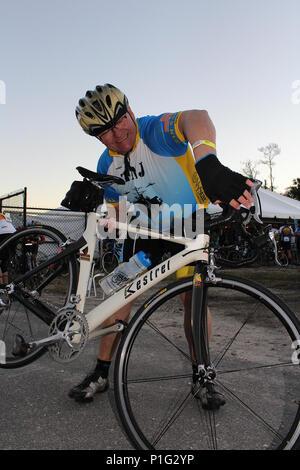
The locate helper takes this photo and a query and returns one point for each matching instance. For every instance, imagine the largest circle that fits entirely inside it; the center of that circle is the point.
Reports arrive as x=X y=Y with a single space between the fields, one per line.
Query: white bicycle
x=164 y=397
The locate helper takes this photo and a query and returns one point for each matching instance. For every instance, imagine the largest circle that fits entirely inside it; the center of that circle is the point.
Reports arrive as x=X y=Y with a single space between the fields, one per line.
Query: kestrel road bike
x=165 y=391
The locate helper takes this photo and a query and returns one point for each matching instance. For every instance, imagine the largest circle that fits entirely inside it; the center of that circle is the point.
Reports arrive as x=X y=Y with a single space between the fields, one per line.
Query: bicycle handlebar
x=229 y=214
x=242 y=215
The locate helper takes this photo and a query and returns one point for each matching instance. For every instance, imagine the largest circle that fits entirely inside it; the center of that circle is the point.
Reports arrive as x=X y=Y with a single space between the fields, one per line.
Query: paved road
x=36 y=412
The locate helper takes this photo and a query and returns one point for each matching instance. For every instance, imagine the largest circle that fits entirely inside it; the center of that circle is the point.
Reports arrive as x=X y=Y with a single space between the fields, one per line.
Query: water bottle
x=125 y=272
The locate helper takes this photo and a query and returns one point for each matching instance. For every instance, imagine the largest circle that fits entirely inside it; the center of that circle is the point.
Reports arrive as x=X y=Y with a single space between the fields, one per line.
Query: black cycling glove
x=218 y=181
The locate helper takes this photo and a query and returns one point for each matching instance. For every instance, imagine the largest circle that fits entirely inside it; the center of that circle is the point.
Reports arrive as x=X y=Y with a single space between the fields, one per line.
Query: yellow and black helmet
x=101 y=108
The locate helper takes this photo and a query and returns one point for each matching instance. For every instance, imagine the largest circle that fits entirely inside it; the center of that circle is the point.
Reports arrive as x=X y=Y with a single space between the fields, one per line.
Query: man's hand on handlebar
x=245 y=199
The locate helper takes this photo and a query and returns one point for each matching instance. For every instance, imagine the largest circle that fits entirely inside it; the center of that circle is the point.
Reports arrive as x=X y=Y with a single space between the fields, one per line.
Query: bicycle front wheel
x=27 y=312
x=253 y=350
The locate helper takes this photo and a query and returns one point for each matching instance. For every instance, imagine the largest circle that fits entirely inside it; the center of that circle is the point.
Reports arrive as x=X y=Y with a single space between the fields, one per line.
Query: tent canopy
x=276 y=206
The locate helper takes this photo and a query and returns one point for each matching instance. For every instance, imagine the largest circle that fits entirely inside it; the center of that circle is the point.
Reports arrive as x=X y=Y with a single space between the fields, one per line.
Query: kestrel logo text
x=149 y=277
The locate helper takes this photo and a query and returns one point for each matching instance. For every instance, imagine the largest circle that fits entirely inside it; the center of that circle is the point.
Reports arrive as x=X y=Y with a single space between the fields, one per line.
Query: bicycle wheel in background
x=253 y=336
x=109 y=261
x=35 y=302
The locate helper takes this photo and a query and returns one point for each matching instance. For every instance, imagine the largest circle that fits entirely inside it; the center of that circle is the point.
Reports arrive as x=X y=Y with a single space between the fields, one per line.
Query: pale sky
x=237 y=59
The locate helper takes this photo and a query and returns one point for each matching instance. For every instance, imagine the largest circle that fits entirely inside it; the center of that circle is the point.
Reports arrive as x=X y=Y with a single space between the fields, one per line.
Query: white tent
x=273 y=206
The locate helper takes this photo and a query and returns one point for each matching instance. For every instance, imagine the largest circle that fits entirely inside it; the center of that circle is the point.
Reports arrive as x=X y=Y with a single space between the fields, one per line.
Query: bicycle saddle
x=92 y=175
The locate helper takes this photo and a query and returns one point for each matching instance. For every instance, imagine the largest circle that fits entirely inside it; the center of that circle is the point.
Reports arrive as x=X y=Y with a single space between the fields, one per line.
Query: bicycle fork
x=203 y=379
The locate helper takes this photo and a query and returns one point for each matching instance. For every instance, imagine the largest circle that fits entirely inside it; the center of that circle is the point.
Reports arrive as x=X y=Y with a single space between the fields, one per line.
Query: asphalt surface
x=37 y=414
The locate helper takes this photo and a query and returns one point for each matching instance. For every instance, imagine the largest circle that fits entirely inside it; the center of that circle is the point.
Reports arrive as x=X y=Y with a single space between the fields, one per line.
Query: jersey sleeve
x=162 y=135
x=104 y=162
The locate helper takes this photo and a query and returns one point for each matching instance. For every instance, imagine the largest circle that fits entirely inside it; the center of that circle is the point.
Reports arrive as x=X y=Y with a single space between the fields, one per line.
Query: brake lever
x=255 y=209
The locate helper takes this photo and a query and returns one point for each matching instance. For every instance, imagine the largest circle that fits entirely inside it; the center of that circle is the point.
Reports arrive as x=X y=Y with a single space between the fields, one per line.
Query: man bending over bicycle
x=152 y=154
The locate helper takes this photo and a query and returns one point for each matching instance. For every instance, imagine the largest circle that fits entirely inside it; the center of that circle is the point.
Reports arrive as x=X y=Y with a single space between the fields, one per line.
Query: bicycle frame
x=194 y=250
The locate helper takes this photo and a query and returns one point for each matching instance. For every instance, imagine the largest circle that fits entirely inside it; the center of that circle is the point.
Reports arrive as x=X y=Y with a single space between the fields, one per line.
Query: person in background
x=286 y=234
x=297 y=236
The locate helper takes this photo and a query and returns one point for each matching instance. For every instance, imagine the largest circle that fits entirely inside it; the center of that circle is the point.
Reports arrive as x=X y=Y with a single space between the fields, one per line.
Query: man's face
x=121 y=137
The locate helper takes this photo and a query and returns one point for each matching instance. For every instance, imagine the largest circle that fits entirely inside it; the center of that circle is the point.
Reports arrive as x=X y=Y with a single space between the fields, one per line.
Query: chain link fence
x=71 y=224
x=13 y=205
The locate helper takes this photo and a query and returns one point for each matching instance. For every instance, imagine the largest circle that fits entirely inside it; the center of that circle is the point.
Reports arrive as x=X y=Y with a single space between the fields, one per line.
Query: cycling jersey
x=286 y=234
x=160 y=169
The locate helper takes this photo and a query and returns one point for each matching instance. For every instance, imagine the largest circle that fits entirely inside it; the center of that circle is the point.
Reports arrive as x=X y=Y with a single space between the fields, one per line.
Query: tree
x=293 y=191
x=250 y=169
x=270 y=152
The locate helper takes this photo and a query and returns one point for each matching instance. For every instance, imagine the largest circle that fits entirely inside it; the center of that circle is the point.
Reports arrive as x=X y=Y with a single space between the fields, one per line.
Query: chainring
x=74 y=331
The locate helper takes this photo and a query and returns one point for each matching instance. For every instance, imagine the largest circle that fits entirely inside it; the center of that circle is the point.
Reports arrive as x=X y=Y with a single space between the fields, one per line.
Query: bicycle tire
x=283 y=260
x=259 y=379
x=109 y=261
x=34 y=302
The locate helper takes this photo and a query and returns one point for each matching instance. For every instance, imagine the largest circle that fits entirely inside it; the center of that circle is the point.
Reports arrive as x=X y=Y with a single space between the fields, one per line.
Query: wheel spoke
x=176 y=412
x=157 y=379
x=247 y=369
x=162 y=335
x=250 y=411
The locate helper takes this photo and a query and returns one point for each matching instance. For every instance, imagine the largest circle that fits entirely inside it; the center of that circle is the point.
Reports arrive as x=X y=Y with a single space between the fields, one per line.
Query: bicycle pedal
x=20 y=347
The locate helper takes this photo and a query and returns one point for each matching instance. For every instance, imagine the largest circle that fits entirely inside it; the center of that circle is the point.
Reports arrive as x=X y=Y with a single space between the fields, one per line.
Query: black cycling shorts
x=156 y=249
x=285 y=245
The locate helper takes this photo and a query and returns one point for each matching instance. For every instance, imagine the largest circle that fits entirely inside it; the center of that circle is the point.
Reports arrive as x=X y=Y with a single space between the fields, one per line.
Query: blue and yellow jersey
x=160 y=169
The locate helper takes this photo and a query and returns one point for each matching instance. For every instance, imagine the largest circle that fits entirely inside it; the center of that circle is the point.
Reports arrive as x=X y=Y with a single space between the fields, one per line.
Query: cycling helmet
x=101 y=108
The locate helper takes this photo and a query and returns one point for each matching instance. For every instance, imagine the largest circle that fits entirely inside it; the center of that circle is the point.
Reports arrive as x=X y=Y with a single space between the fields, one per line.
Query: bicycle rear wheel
x=253 y=336
x=32 y=305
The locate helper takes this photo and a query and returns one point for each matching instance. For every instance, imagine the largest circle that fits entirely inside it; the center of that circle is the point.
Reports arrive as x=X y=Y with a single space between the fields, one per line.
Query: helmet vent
x=99 y=88
x=89 y=94
x=108 y=101
x=97 y=105
x=89 y=115
x=82 y=103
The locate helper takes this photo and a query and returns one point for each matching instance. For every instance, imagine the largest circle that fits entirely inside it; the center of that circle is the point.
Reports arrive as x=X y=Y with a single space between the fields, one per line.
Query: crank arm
x=47 y=341
x=116 y=328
